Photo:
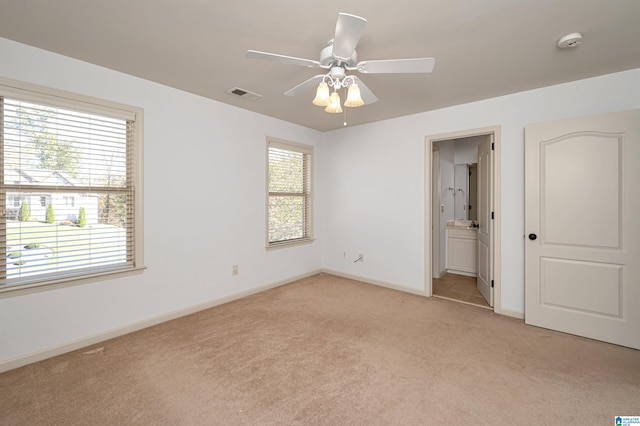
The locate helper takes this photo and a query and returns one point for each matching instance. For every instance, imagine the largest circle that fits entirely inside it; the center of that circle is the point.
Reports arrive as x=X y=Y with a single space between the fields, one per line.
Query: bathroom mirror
x=466 y=188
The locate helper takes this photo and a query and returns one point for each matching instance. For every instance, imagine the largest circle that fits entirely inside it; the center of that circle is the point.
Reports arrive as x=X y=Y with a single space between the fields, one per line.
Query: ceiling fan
x=340 y=56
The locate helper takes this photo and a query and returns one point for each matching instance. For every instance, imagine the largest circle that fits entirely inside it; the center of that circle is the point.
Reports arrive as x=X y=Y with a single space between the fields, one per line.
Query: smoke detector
x=570 y=40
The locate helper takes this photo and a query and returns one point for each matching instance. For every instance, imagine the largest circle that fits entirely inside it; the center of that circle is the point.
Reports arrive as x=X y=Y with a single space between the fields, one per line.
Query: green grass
x=71 y=247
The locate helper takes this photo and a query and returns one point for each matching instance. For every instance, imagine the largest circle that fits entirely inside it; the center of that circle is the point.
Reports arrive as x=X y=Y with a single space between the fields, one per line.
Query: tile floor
x=459 y=287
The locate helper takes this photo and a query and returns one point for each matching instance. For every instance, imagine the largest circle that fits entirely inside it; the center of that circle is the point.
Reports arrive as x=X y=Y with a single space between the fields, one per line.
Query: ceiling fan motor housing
x=327 y=58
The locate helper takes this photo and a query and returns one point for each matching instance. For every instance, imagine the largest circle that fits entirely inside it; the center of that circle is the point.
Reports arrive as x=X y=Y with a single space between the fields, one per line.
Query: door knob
x=532 y=237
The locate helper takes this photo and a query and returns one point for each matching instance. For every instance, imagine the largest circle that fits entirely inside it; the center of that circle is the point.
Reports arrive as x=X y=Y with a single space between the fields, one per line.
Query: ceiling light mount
x=570 y=40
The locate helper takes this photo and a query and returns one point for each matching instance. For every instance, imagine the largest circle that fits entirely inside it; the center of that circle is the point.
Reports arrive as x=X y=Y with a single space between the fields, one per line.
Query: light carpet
x=330 y=351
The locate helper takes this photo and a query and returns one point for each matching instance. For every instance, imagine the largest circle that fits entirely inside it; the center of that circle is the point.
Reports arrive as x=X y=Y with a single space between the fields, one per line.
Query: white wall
x=220 y=152
x=447 y=180
x=447 y=198
x=374 y=179
x=467 y=149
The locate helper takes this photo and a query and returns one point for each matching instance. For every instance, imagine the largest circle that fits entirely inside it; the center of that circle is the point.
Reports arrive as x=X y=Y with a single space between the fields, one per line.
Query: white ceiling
x=483 y=48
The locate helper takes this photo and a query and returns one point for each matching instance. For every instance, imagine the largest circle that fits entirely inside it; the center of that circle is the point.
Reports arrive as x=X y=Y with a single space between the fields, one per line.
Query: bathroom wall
x=466 y=152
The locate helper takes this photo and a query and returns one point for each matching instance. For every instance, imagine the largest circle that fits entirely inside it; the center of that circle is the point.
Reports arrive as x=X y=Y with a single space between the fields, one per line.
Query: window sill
x=285 y=244
x=35 y=287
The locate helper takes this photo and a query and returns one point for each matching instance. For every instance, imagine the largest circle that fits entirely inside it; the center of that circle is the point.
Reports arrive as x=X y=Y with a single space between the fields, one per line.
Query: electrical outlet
x=345 y=256
x=234 y=270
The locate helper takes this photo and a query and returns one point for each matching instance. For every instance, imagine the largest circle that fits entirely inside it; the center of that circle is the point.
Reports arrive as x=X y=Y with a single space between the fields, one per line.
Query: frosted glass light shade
x=353 y=97
x=322 y=95
x=334 y=103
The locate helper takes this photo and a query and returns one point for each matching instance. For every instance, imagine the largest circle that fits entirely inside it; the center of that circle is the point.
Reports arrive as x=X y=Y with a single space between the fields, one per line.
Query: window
x=289 y=170
x=69 y=168
x=14 y=201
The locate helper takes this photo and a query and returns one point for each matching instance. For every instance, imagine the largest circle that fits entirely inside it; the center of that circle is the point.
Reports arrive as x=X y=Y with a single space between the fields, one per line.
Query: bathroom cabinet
x=461 y=251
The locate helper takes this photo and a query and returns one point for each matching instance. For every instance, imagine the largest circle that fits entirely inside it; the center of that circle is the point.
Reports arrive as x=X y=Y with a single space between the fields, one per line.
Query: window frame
x=309 y=196
x=67 y=199
x=63 y=99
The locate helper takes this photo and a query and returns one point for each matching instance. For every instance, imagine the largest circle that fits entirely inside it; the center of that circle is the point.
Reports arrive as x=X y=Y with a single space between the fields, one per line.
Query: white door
x=582 y=225
x=485 y=223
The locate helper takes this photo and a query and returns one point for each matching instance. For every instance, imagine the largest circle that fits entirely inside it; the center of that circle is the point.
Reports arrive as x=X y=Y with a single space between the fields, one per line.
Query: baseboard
x=510 y=313
x=130 y=328
x=463 y=273
x=506 y=312
x=374 y=281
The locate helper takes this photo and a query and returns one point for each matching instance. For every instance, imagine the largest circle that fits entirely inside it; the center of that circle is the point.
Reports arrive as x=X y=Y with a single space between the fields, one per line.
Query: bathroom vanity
x=461 y=247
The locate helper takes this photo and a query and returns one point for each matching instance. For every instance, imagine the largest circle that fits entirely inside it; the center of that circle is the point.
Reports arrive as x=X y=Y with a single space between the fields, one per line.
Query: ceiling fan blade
x=304 y=86
x=365 y=93
x=397 y=66
x=348 y=31
x=254 y=54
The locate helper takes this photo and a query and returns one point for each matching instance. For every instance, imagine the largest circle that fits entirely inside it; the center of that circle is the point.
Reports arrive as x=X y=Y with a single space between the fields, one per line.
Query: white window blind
x=68 y=188
x=289 y=192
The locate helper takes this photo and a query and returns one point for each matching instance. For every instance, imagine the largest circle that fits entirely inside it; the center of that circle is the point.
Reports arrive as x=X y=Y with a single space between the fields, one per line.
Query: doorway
x=459 y=288
x=441 y=205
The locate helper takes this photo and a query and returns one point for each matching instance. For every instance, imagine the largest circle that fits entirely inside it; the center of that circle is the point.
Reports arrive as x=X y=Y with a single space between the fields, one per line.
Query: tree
x=112 y=209
x=46 y=150
x=24 y=214
x=55 y=154
x=82 y=218
x=50 y=217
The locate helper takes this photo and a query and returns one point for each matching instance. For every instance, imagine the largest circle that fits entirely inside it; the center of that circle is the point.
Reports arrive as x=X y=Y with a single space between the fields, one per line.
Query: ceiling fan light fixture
x=334 y=104
x=340 y=57
x=353 y=97
x=322 y=95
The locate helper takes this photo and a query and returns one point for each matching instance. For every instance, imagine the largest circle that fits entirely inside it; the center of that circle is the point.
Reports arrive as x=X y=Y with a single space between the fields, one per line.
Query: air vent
x=244 y=94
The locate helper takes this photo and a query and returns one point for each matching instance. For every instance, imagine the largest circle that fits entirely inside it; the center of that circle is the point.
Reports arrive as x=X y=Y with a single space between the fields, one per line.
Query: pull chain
x=345 y=116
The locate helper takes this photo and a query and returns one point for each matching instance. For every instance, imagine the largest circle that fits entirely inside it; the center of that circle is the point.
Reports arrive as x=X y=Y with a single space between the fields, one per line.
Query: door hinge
x=493 y=216
x=493 y=146
x=491 y=283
